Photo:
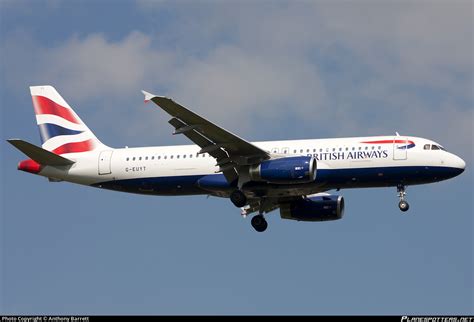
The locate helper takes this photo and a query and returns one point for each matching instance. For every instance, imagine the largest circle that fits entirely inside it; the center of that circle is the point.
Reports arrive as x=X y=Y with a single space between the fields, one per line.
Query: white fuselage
x=342 y=162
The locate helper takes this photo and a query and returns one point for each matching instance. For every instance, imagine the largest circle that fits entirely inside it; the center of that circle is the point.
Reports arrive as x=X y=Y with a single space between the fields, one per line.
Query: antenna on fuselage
x=397 y=134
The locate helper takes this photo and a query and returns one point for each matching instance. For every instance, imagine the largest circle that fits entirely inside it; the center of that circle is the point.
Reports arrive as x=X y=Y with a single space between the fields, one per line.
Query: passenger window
x=146 y=158
x=190 y=156
x=373 y=147
x=347 y=149
x=434 y=147
x=320 y=150
x=360 y=148
x=177 y=157
x=140 y=158
x=133 y=159
x=366 y=147
x=340 y=149
x=426 y=147
x=159 y=157
x=165 y=157
x=301 y=151
x=184 y=156
x=314 y=150
x=128 y=159
x=294 y=151
x=307 y=151
x=353 y=148
x=171 y=157
x=380 y=147
x=153 y=157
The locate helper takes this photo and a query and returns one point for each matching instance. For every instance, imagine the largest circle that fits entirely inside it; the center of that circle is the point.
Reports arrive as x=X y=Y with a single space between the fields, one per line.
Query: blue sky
x=264 y=70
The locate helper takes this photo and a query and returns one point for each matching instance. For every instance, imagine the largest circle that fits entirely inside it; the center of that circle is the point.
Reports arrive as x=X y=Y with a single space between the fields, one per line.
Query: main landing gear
x=238 y=198
x=259 y=223
x=403 y=204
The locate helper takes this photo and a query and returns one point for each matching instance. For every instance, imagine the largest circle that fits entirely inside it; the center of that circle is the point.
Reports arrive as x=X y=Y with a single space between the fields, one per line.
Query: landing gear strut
x=238 y=198
x=403 y=204
x=259 y=223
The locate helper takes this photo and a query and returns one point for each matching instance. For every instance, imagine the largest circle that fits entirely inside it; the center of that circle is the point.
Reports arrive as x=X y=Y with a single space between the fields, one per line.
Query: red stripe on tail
x=44 y=105
x=83 y=146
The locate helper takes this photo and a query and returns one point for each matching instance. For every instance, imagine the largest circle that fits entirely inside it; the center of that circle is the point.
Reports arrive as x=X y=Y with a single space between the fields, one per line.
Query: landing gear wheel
x=238 y=198
x=259 y=223
x=403 y=205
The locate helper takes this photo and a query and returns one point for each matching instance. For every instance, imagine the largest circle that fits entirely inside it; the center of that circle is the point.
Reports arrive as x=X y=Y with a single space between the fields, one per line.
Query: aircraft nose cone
x=458 y=164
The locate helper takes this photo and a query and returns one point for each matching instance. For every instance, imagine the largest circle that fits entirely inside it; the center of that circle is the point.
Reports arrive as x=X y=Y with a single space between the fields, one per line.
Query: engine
x=301 y=169
x=318 y=208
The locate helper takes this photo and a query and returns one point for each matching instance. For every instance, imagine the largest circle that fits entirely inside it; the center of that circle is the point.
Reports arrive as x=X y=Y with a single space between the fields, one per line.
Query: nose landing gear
x=403 y=204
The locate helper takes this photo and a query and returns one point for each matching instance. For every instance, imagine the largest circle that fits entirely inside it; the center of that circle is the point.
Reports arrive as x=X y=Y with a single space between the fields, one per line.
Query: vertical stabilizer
x=61 y=129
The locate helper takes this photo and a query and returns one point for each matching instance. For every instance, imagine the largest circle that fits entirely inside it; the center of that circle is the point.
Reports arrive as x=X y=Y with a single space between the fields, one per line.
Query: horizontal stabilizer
x=40 y=155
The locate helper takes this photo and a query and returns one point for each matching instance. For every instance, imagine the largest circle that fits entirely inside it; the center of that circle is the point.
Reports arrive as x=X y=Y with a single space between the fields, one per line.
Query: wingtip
x=148 y=96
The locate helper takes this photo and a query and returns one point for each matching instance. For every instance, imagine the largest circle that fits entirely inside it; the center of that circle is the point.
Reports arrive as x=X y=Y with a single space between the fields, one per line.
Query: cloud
x=336 y=68
x=231 y=80
x=227 y=85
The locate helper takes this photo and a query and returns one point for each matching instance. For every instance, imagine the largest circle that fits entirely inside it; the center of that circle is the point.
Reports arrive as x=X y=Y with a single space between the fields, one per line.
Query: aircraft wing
x=257 y=205
x=230 y=151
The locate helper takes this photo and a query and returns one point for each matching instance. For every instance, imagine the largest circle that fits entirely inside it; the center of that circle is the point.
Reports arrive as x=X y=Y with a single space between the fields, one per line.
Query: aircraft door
x=105 y=160
x=400 y=148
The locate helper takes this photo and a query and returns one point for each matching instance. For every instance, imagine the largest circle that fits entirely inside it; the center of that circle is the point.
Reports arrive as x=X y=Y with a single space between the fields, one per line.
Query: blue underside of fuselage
x=326 y=179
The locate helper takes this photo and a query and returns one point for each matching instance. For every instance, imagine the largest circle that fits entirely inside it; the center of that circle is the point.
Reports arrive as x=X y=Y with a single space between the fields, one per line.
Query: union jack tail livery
x=61 y=129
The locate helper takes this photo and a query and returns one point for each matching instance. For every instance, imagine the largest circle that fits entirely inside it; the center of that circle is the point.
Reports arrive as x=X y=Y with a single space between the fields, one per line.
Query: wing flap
x=209 y=147
x=261 y=206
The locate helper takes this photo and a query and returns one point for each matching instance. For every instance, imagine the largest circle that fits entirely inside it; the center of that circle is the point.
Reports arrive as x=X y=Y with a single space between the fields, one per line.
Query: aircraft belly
x=327 y=179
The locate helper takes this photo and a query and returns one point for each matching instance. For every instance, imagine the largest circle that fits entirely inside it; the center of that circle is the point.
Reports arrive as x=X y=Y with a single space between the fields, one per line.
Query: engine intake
x=301 y=169
x=319 y=208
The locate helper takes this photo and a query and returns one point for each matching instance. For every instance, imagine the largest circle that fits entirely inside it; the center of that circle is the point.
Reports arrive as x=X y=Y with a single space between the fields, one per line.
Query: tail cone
x=29 y=166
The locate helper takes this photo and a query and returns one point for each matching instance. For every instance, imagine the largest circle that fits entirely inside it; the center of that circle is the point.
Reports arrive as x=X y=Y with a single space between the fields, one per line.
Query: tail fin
x=61 y=129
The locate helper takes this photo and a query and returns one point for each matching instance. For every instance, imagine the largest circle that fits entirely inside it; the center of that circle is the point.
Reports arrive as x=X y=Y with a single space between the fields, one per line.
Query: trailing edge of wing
x=38 y=154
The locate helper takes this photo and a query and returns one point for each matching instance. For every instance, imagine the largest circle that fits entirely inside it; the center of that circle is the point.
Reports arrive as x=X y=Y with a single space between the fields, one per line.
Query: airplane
x=258 y=177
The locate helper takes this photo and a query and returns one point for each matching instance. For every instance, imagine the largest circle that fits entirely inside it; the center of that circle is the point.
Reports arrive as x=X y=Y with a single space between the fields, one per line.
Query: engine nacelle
x=320 y=208
x=288 y=170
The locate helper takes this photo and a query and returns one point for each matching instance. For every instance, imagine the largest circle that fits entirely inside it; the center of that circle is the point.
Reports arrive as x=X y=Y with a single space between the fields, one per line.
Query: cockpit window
x=433 y=147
